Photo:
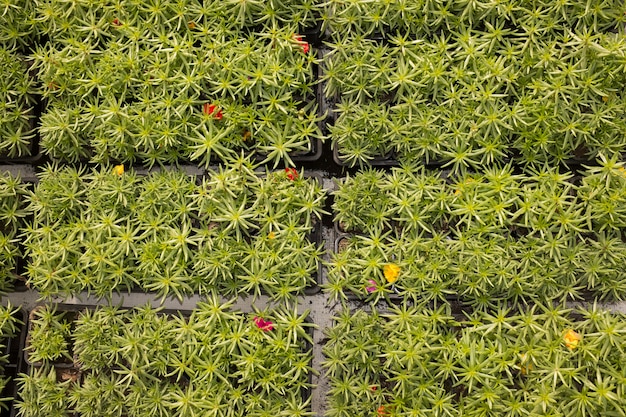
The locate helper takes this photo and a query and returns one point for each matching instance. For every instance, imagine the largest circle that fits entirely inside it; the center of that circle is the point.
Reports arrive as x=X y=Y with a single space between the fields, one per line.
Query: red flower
x=292 y=174
x=116 y=22
x=264 y=325
x=210 y=110
x=303 y=44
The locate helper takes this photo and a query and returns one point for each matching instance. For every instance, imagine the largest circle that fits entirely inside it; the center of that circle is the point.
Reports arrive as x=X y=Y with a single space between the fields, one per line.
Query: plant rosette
x=410 y=358
x=146 y=359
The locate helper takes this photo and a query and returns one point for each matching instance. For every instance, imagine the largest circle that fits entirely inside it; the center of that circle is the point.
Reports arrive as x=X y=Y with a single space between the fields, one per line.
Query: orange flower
x=381 y=411
x=292 y=174
x=191 y=25
x=303 y=44
x=391 y=272
x=212 y=110
x=525 y=367
x=572 y=339
x=118 y=170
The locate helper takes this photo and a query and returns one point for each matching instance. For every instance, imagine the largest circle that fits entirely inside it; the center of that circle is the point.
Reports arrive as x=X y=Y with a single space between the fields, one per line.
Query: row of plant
x=10 y=329
x=236 y=230
x=144 y=362
x=480 y=238
x=418 y=361
x=185 y=95
x=478 y=269
x=13 y=214
x=467 y=97
x=17 y=101
x=159 y=82
x=23 y=20
x=535 y=201
x=419 y=18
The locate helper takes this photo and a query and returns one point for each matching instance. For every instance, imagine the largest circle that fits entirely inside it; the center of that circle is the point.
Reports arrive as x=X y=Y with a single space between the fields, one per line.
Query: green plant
x=531 y=82
x=9 y=329
x=498 y=235
x=13 y=213
x=240 y=231
x=41 y=394
x=162 y=83
x=147 y=361
x=16 y=24
x=48 y=336
x=17 y=102
x=602 y=194
x=543 y=359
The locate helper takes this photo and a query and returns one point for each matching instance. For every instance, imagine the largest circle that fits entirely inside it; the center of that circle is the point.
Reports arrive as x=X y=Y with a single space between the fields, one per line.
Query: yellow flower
x=271 y=235
x=118 y=170
x=391 y=271
x=524 y=366
x=622 y=171
x=571 y=339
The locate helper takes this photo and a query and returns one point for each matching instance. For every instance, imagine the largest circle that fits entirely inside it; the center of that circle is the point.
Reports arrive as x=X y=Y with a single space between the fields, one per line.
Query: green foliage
x=41 y=395
x=13 y=212
x=523 y=237
x=17 y=128
x=471 y=84
x=145 y=362
x=17 y=24
x=498 y=363
x=48 y=335
x=9 y=326
x=239 y=231
x=164 y=82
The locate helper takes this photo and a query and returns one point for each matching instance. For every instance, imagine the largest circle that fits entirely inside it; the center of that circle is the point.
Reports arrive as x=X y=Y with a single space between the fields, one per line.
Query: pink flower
x=372 y=286
x=264 y=325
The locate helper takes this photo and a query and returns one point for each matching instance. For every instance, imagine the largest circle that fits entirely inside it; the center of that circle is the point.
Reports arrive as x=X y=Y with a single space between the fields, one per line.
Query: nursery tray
x=24 y=366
